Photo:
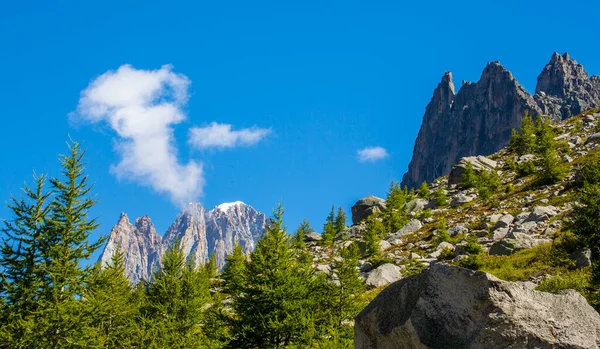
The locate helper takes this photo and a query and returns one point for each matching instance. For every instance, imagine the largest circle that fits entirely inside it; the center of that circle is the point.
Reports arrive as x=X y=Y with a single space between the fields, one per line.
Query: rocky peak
x=564 y=88
x=123 y=219
x=199 y=232
x=476 y=120
x=140 y=244
x=561 y=76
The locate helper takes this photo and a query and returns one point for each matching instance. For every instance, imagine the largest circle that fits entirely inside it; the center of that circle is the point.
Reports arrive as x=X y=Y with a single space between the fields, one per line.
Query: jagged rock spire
x=199 y=232
x=565 y=89
x=476 y=120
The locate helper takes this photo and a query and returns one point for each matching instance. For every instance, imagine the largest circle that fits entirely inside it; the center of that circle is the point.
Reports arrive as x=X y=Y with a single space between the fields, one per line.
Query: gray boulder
x=417 y=205
x=364 y=207
x=504 y=221
x=461 y=199
x=515 y=242
x=409 y=228
x=542 y=213
x=458 y=229
x=452 y=307
x=383 y=275
x=312 y=236
x=479 y=163
x=500 y=233
x=593 y=138
x=582 y=257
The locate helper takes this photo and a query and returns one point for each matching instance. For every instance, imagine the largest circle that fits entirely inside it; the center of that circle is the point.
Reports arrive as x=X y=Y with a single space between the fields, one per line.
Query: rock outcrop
x=451 y=307
x=564 y=88
x=478 y=163
x=364 y=207
x=199 y=232
x=478 y=120
x=141 y=246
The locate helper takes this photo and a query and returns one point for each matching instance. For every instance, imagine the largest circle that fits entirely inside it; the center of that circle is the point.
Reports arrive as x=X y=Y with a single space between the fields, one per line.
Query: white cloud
x=221 y=136
x=371 y=154
x=142 y=106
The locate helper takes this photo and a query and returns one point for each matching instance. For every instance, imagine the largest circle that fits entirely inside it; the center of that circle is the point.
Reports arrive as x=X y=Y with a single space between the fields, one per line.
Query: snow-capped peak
x=227 y=205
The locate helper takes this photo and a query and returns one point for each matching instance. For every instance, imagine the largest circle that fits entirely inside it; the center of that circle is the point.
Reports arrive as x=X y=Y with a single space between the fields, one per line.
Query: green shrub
x=469 y=178
x=590 y=172
x=524 y=141
x=424 y=191
x=472 y=246
x=442 y=234
x=510 y=165
x=552 y=169
x=440 y=198
x=446 y=254
x=578 y=280
x=525 y=169
x=471 y=262
x=413 y=267
x=424 y=214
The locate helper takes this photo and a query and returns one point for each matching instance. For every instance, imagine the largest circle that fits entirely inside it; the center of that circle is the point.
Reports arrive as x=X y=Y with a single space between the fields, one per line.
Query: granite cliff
x=479 y=118
x=200 y=233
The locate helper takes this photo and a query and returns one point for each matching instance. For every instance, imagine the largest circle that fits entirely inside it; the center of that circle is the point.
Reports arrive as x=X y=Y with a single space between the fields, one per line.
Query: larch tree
x=66 y=245
x=21 y=258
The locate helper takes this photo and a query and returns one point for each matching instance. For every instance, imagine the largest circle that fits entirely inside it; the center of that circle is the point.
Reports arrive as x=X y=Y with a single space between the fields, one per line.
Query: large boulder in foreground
x=364 y=207
x=479 y=163
x=452 y=307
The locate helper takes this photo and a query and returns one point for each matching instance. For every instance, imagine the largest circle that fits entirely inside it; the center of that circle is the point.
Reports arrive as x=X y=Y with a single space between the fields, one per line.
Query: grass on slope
x=547 y=261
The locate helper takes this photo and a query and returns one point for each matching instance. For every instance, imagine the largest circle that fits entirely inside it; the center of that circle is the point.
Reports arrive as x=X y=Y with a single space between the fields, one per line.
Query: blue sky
x=321 y=79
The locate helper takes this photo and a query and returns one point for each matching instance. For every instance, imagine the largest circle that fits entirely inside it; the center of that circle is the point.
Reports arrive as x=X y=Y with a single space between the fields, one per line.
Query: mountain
x=479 y=118
x=140 y=243
x=199 y=232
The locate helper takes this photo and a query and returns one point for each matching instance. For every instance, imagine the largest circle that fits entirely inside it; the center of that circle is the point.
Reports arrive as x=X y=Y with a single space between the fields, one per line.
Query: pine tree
x=545 y=134
x=424 y=191
x=176 y=297
x=469 y=178
x=234 y=272
x=394 y=216
x=329 y=229
x=21 y=257
x=275 y=306
x=524 y=141
x=299 y=243
x=210 y=268
x=586 y=218
x=372 y=236
x=439 y=197
x=340 y=221
x=65 y=245
x=303 y=229
x=347 y=283
x=109 y=309
x=551 y=169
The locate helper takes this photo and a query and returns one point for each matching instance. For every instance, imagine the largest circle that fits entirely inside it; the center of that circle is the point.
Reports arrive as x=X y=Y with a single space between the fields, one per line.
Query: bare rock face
x=478 y=120
x=199 y=232
x=364 y=207
x=140 y=244
x=564 y=88
x=452 y=307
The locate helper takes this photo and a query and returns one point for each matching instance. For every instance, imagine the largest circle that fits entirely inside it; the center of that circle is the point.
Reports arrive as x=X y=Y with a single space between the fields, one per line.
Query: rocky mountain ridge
x=479 y=118
x=530 y=276
x=199 y=232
